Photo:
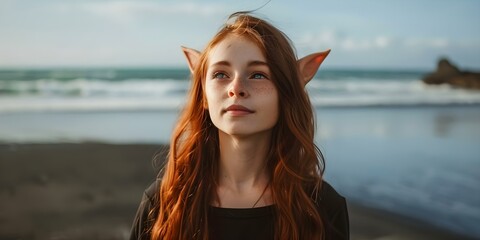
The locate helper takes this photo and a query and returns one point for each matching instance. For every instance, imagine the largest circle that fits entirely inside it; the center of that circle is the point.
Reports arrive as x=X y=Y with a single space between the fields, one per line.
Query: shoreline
x=91 y=190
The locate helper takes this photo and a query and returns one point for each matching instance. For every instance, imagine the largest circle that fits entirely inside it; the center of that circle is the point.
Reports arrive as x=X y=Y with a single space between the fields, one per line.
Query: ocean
x=160 y=89
x=390 y=141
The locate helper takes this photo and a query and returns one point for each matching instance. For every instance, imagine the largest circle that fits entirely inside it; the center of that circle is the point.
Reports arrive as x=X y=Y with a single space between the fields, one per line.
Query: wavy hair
x=294 y=161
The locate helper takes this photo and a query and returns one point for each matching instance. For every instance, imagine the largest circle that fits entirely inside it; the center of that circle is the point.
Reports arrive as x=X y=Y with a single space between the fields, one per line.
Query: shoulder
x=333 y=209
x=329 y=197
x=152 y=191
x=150 y=196
x=146 y=212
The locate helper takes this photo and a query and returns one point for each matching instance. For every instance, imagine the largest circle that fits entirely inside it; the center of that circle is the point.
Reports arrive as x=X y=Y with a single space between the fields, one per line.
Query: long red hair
x=296 y=164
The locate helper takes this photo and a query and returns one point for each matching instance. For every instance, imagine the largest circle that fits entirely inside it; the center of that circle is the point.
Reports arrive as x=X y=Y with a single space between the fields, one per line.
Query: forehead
x=236 y=48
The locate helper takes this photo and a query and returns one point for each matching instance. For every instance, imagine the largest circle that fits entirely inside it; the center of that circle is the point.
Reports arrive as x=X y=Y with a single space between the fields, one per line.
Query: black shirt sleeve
x=144 y=220
x=333 y=209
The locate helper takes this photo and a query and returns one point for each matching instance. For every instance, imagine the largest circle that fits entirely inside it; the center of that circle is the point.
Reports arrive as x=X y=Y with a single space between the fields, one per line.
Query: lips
x=239 y=109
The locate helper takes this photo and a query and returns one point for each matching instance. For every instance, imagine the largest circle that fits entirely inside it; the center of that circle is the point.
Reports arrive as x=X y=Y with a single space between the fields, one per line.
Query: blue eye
x=258 y=76
x=219 y=75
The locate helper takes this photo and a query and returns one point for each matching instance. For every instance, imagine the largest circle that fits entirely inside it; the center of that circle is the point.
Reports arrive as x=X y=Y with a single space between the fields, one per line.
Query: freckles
x=264 y=90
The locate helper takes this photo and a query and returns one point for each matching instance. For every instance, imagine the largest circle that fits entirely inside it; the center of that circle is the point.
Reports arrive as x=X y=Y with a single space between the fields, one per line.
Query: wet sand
x=92 y=190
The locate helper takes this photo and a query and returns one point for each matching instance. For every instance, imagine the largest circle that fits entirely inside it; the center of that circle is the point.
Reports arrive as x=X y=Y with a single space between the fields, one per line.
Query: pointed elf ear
x=193 y=56
x=309 y=65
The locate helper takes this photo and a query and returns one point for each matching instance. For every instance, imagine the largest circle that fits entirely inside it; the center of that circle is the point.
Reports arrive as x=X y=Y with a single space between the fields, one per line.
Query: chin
x=245 y=132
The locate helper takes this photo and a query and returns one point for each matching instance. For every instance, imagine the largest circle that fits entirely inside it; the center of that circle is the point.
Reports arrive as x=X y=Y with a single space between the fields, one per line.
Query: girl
x=242 y=161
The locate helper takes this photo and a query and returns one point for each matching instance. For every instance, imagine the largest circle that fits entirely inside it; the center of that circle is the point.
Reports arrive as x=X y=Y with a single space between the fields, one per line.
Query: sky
x=369 y=34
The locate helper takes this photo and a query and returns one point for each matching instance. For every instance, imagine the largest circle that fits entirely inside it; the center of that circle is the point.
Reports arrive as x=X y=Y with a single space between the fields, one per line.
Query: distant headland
x=447 y=73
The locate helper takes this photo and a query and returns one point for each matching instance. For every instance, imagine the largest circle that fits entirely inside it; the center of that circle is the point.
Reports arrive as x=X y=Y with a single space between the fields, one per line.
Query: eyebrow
x=256 y=63
x=250 y=64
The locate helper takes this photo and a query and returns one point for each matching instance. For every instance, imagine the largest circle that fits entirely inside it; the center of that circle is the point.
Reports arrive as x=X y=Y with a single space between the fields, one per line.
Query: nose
x=238 y=88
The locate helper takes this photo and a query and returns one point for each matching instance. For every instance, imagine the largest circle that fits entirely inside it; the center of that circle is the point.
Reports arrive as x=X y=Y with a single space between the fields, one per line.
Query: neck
x=243 y=161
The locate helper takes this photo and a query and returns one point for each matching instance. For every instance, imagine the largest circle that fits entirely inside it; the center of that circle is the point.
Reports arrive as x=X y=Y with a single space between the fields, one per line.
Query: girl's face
x=242 y=99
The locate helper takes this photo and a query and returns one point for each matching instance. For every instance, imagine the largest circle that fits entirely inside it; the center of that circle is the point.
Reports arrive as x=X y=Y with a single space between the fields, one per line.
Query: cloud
x=128 y=11
x=426 y=43
x=333 y=39
x=350 y=43
x=133 y=9
x=382 y=41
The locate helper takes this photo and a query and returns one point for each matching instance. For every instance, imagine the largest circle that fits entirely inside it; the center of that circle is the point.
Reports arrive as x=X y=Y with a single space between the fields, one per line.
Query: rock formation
x=450 y=74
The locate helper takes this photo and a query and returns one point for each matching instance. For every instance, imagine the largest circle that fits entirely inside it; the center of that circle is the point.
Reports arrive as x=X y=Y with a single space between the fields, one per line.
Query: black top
x=251 y=223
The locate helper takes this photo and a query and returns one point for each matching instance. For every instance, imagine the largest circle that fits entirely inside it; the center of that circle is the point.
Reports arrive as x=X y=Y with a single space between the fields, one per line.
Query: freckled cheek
x=268 y=96
x=264 y=89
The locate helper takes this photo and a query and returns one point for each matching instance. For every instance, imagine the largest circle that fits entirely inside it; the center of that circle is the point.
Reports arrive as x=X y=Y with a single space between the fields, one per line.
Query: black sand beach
x=92 y=190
